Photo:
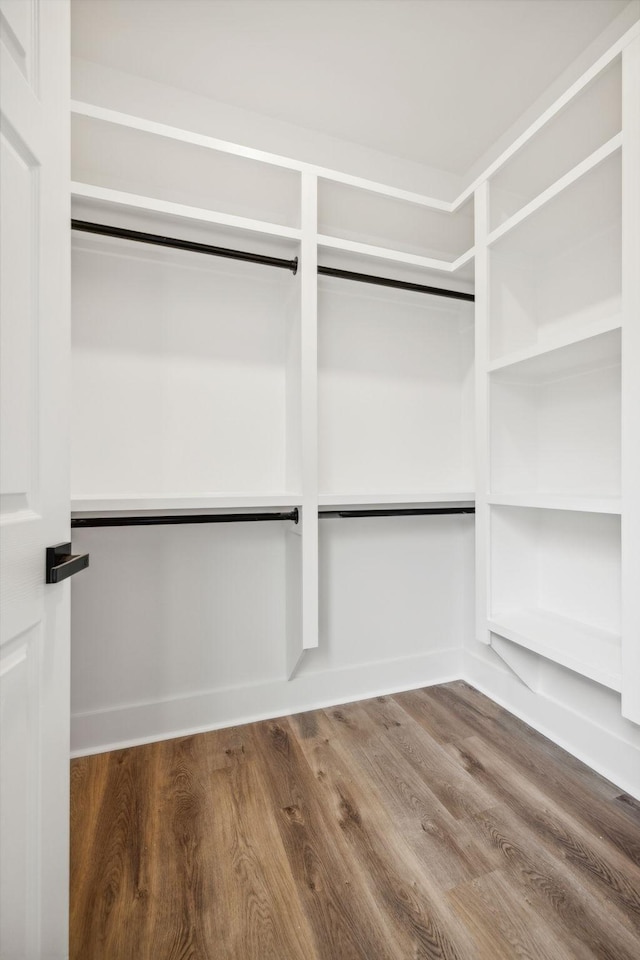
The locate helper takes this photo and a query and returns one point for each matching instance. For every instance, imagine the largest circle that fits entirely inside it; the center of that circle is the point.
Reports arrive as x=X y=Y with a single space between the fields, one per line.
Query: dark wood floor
x=430 y=824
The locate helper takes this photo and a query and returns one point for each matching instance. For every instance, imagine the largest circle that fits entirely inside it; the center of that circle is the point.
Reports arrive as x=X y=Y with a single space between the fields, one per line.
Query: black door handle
x=61 y=563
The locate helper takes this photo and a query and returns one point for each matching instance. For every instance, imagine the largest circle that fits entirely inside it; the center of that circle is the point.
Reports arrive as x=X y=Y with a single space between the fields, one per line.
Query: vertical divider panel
x=302 y=540
x=482 y=409
x=630 y=380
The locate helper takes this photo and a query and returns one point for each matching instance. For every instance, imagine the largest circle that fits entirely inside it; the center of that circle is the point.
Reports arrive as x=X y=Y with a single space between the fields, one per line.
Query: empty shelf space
x=123 y=158
x=587 y=122
x=558 y=272
x=589 y=651
x=96 y=199
x=555 y=422
x=395 y=391
x=185 y=366
x=555 y=585
x=581 y=170
x=348 y=213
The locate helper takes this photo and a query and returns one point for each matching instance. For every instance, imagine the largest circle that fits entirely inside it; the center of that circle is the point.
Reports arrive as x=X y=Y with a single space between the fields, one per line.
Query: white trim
x=605 y=752
x=138 y=723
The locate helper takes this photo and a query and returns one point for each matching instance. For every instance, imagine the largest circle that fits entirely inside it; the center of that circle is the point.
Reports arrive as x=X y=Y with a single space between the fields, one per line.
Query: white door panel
x=34 y=485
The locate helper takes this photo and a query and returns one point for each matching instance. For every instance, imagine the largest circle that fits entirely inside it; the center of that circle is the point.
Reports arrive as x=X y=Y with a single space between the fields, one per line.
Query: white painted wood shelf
x=552 y=501
x=546 y=347
x=410 y=499
x=105 y=197
x=102 y=503
x=565 y=182
x=394 y=256
x=582 y=647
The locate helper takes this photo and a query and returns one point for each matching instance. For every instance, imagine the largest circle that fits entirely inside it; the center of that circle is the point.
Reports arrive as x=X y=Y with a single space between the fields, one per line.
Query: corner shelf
x=587 y=650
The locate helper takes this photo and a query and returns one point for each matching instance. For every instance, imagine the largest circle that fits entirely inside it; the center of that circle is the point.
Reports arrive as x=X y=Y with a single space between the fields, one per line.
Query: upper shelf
x=349 y=214
x=135 y=161
x=587 y=122
x=372 y=251
x=416 y=498
x=555 y=189
x=104 y=196
x=103 y=503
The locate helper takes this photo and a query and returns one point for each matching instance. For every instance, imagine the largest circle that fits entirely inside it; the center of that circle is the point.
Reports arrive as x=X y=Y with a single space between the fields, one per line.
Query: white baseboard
x=135 y=724
x=604 y=751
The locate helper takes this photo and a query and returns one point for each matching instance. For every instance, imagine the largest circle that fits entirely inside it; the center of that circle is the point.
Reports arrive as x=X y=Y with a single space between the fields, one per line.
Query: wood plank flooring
x=430 y=824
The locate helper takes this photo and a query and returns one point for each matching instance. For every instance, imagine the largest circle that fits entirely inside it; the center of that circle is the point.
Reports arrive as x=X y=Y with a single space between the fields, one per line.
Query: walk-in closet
x=330 y=433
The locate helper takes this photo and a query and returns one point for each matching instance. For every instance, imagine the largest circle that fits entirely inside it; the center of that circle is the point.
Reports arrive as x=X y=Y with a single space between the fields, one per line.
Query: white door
x=34 y=481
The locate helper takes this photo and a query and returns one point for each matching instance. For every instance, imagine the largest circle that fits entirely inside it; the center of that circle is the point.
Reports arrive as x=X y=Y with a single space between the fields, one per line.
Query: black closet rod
x=397 y=284
x=396 y=512
x=138 y=521
x=104 y=230
x=151 y=521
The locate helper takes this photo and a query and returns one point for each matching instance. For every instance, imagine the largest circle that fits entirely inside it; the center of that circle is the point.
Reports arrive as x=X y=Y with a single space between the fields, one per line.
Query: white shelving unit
x=556 y=330
x=559 y=269
x=205 y=378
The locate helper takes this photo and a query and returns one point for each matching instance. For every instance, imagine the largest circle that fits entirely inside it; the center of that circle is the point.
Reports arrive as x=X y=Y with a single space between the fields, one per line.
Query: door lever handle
x=61 y=563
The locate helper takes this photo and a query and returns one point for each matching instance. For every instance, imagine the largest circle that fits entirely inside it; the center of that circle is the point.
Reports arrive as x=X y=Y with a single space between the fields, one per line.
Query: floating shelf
x=587 y=650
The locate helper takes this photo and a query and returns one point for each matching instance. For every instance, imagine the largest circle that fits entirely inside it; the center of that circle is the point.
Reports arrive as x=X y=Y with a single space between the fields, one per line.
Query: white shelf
x=589 y=651
x=413 y=499
x=570 y=360
x=566 y=181
x=557 y=342
x=551 y=501
x=142 y=204
x=580 y=205
x=395 y=256
x=100 y=503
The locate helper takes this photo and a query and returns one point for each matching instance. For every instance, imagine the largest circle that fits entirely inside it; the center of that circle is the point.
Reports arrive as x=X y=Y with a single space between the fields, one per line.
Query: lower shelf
x=588 y=650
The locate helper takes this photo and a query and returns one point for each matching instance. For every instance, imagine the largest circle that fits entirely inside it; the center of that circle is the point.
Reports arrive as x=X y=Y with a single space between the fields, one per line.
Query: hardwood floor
x=430 y=824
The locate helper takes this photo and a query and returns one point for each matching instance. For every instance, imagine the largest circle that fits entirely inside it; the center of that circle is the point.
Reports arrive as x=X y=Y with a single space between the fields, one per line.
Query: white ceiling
x=433 y=81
